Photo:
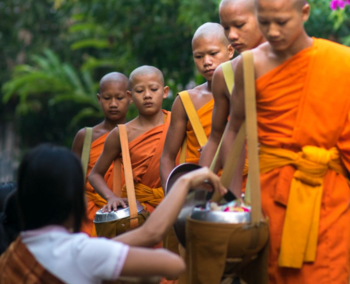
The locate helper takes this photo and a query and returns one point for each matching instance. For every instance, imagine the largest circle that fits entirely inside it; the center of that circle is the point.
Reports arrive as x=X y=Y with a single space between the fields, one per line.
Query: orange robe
x=306 y=101
x=145 y=153
x=18 y=265
x=94 y=201
x=193 y=147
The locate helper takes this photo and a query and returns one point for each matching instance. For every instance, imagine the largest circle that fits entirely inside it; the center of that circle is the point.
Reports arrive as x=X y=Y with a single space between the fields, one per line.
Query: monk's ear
x=98 y=97
x=129 y=95
x=166 y=92
x=231 y=51
x=306 y=12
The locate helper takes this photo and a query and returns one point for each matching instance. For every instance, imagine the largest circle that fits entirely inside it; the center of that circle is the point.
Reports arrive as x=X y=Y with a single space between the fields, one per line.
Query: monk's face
x=241 y=27
x=281 y=22
x=208 y=53
x=114 y=100
x=148 y=92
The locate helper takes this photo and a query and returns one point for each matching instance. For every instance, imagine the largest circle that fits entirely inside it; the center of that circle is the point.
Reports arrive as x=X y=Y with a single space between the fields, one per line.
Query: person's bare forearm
x=99 y=184
x=143 y=262
x=167 y=164
x=164 y=216
x=160 y=220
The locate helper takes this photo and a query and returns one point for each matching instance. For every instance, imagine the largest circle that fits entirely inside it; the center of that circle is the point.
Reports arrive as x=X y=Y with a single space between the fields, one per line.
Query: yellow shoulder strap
x=195 y=122
x=129 y=180
x=229 y=80
x=228 y=75
x=194 y=119
x=85 y=155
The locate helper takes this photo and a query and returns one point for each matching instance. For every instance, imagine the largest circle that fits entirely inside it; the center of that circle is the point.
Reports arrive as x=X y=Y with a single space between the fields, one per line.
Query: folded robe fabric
x=145 y=153
x=94 y=201
x=305 y=101
x=18 y=265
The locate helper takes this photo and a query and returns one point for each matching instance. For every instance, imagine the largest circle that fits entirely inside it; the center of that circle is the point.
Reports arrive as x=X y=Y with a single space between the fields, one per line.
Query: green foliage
x=44 y=86
x=325 y=23
x=56 y=51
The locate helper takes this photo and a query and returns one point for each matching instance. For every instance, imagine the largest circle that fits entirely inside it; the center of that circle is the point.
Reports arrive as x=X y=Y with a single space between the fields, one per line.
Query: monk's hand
x=204 y=177
x=113 y=202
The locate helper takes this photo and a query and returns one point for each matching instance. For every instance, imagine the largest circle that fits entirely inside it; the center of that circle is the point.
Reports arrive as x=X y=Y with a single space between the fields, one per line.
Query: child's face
x=208 y=53
x=114 y=100
x=147 y=93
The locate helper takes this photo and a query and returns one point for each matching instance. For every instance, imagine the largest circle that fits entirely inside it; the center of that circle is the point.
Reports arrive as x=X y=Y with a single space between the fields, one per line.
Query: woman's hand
x=113 y=202
x=204 y=177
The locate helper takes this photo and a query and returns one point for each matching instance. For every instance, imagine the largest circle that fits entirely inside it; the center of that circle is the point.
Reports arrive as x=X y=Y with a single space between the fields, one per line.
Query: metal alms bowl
x=121 y=213
x=195 y=197
x=219 y=216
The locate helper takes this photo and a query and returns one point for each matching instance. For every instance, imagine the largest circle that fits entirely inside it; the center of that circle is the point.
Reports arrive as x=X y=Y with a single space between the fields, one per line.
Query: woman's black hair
x=50 y=188
x=9 y=219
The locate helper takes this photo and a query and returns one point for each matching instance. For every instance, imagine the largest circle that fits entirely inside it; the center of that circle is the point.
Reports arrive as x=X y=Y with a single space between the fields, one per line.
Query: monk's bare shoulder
x=178 y=109
x=78 y=142
x=98 y=131
x=134 y=129
x=113 y=135
x=234 y=63
x=200 y=95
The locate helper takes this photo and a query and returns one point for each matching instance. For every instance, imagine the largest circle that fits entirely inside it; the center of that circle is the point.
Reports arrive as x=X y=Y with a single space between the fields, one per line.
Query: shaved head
x=145 y=70
x=113 y=77
x=297 y=4
x=209 y=30
x=248 y=4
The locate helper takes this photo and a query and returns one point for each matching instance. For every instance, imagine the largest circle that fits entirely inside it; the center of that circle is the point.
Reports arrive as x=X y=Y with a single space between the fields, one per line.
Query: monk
x=146 y=136
x=114 y=103
x=210 y=48
x=303 y=117
x=238 y=19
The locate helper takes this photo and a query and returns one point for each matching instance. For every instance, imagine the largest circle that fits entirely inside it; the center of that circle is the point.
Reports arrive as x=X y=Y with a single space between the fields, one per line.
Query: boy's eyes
x=154 y=89
x=238 y=26
x=282 y=23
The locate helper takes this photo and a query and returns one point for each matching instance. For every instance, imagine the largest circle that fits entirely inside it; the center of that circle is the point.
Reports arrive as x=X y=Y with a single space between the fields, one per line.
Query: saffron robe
x=94 y=201
x=193 y=147
x=305 y=101
x=145 y=152
x=18 y=265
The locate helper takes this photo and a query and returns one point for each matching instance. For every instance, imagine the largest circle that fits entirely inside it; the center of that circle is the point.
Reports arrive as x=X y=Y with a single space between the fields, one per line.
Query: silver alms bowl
x=121 y=213
x=219 y=216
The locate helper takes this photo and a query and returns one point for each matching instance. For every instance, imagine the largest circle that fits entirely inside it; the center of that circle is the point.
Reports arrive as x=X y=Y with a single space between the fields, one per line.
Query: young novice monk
x=114 y=103
x=210 y=48
x=238 y=18
x=146 y=136
x=303 y=115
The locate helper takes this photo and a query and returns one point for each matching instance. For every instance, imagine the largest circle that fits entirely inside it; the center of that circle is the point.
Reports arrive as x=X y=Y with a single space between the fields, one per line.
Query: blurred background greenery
x=55 y=52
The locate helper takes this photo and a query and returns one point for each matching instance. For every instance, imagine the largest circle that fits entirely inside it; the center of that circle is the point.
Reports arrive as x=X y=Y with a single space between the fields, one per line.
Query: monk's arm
x=237 y=116
x=143 y=262
x=164 y=216
x=343 y=144
x=174 y=139
x=110 y=152
x=219 y=117
x=78 y=142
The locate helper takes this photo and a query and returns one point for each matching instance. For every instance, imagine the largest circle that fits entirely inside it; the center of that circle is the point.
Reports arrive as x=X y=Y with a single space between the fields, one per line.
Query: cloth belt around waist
x=96 y=198
x=304 y=201
x=146 y=194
